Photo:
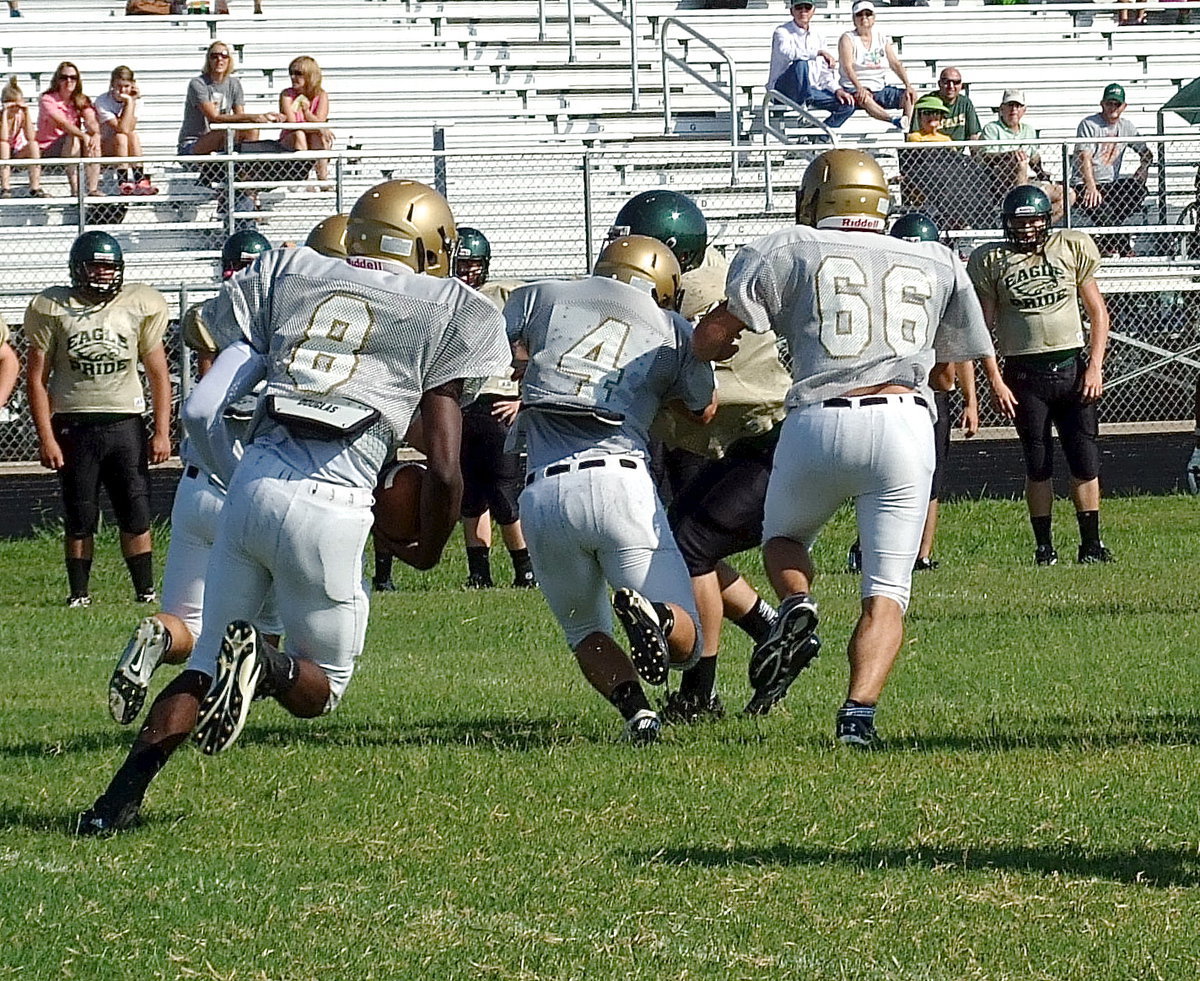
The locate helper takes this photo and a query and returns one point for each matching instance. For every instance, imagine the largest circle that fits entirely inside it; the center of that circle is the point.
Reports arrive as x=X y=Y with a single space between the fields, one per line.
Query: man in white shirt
x=802 y=67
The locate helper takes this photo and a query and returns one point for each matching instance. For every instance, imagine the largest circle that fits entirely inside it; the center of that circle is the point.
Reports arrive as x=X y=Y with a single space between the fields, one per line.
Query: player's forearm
x=964 y=372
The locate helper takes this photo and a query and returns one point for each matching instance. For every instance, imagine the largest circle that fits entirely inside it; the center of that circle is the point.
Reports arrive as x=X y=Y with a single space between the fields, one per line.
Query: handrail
x=630 y=25
x=670 y=59
x=775 y=97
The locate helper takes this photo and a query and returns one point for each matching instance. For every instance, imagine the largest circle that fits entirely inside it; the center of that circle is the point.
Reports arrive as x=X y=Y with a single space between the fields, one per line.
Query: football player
x=1193 y=466
x=241 y=249
x=10 y=366
x=861 y=315
x=717 y=510
x=492 y=478
x=329 y=236
x=1031 y=286
x=86 y=398
x=353 y=348
x=604 y=354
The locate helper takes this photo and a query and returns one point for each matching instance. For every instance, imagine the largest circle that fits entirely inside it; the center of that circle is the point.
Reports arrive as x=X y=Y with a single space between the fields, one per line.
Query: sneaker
x=763 y=700
x=647 y=643
x=101 y=820
x=144 y=187
x=925 y=564
x=131 y=679
x=856 y=728
x=224 y=709
x=150 y=596
x=525 y=580
x=1045 y=555
x=1192 y=474
x=643 y=728
x=383 y=585
x=1093 y=552
x=777 y=661
x=37 y=192
x=78 y=602
x=479 y=582
x=680 y=709
x=126 y=188
x=854 y=558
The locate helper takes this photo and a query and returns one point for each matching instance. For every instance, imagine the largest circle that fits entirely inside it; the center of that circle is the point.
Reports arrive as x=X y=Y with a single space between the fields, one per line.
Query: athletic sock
x=758 y=622
x=522 y=566
x=1089 y=526
x=697 y=683
x=629 y=699
x=141 y=571
x=79 y=574
x=130 y=782
x=280 y=672
x=479 y=565
x=383 y=567
x=666 y=619
x=1041 y=530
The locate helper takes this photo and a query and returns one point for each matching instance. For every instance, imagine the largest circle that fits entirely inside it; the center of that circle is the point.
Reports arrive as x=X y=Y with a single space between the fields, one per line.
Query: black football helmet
x=97 y=266
x=915 y=227
x=1025 y=214
x=241 y=249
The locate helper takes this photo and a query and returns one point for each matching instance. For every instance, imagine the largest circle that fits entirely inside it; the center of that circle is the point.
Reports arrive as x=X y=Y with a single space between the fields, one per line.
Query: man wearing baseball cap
x=1015 y=160
x=802 y=67
x=962 y=121
x=1104 y=195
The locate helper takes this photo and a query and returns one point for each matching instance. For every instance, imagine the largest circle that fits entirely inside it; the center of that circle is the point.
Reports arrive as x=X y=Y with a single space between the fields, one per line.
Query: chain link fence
x=547 y=211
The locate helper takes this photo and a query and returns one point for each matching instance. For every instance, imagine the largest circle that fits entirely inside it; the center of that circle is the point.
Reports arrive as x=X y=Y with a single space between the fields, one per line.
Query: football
x=398 y=502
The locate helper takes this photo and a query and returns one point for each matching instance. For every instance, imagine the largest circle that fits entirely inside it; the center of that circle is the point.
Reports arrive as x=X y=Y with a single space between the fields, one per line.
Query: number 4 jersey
x=603 y=358
x=857 y=309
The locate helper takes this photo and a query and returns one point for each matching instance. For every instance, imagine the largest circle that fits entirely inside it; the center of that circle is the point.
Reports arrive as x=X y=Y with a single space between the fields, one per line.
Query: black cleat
x=643 y=728
x=854 y=557
x=1045 y=555
x=383 y=586
x=925 y=564
x=224 y=710
x=525 y=580
x=478 y=582
x=101 y=820
x=1094 y=552
x=131 y=679
x=856 y=728
x=685 y=710
x=764 y=699
x=784 y=653
x=647 y=643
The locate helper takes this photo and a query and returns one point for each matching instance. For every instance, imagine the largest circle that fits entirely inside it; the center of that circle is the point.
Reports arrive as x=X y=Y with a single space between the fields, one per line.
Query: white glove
x=1193 y=471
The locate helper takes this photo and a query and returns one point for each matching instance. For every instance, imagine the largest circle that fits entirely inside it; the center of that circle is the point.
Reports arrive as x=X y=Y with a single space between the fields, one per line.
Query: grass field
x=469 y=812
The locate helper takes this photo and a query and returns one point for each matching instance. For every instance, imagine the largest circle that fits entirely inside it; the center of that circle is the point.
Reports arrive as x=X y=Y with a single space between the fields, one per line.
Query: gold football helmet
x=405 y=221
x=645 y=263
x=329 y=237
x=843 y=189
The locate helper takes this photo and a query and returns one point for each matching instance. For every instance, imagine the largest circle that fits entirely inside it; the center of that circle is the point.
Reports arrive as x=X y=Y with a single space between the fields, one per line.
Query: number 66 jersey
x=857 y=309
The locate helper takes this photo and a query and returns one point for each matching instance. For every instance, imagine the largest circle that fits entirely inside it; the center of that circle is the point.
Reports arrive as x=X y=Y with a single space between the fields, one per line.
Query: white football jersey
x=599 y=344
x=857 y=309
x=364 y=329
x=212 y=441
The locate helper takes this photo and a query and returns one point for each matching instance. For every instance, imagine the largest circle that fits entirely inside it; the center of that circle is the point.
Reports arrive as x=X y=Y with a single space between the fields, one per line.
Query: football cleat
x=383 y=586
x=131 y=679
x=784 y=653
x=854 y=557
x=224 y=710
x=1091 y=553
x=1193 y=472
x=1045 y=555
x=78 y=602
x=479 y=582
x=856 y=727
x=647 y=643
x=150 y=596
x=525 y=580
x=643 y=728
x=925 y=564
x=685 y=710
x=101 y=819
x=762 y=700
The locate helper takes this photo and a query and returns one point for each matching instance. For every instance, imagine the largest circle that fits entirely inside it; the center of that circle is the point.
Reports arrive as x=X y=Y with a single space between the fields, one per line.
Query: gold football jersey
x=94 y=348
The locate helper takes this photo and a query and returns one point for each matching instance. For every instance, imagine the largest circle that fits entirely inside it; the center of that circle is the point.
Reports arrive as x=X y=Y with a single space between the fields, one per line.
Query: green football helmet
x=97 y=266
x=915 y=227
x=474 y=257
x=329 y=237
x=241 y=249
x=671 y=217
x=1025 y=215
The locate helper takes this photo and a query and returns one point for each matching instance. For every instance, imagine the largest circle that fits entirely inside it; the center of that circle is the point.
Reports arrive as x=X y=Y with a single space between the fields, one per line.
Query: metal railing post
x=571 y=31
x=541 y=20
x=633 y=59
x=231 y=196
x=588 y=243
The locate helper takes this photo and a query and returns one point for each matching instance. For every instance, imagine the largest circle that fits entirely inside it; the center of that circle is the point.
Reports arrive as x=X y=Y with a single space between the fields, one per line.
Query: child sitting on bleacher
x=17 y=139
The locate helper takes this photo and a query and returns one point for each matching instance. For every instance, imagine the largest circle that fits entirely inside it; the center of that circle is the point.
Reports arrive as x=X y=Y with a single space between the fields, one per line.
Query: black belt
x=860 y=400
x=560 y=468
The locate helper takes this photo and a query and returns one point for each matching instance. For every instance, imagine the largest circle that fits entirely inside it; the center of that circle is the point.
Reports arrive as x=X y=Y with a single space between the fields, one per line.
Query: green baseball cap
x=930 y=102
x=1114 y=93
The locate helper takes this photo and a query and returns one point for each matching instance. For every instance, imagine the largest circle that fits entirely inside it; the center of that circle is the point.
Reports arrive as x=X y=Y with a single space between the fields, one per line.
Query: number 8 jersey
x=857 y=309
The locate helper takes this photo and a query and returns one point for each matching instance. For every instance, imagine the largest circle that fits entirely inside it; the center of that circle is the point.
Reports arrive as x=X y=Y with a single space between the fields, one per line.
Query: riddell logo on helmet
x=852 y=223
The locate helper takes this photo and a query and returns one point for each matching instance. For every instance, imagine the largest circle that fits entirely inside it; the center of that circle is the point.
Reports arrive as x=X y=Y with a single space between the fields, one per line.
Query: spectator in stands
x=216 y=96
x=1014 y=161
x=305 y=101
x=1104 y=195
x=962 y=121
x=931 y=116
x=865 y=56
x=14 y=8
x=116 y=110
x=802 y=67
x=10 y=367
x=67 y=125
x=18 y=139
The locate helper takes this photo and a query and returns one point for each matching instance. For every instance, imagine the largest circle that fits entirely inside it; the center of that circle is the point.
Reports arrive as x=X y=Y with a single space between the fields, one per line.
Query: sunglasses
x=68 y=78
x=296 y=71
x=949 y=81
x=219 y=54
